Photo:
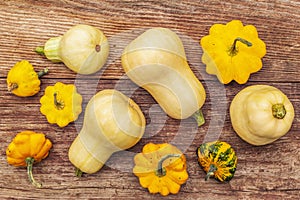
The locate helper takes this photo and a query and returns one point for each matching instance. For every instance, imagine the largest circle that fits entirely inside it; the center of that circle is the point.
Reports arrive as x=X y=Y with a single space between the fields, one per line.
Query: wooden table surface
x=265 y=172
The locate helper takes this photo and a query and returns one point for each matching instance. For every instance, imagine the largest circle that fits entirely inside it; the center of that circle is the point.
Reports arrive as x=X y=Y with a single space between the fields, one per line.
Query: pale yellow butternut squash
x=112 y=122
x=156 y=61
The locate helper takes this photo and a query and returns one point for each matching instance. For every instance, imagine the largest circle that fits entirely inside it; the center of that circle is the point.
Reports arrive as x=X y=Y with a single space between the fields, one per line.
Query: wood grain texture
x=267 y=172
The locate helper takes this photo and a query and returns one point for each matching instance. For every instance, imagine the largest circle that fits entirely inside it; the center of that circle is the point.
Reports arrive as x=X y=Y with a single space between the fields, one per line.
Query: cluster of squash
x=155 y=61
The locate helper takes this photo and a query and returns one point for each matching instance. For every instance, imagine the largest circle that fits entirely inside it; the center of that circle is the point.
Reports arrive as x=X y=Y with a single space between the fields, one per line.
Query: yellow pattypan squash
x=22 y=80
x=61 y=104
x=161 y=168
x=232 y=51
x=26 y=148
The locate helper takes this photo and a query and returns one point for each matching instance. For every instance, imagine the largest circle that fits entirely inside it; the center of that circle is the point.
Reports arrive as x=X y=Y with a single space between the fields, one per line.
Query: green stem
x=78 y=172
x=43 y=72
x=233 y=49
x=29 y=161
x=161 y=171
x=58 y=104
x=278 y=111
x=39 y=50
x=211 y=171
x=51 y=49
x=198 y=116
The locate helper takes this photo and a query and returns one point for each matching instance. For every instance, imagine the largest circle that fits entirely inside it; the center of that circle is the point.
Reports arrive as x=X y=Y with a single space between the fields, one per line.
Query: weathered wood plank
x=32 y=27
x=267 y=172
x=260 y=169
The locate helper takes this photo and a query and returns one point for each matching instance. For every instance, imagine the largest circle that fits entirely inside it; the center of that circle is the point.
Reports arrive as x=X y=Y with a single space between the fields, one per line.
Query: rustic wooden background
x=266 y=172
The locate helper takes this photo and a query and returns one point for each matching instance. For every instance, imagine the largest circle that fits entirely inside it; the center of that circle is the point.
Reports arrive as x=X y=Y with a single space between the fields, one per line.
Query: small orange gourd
x=161 y=168
x=26 y=148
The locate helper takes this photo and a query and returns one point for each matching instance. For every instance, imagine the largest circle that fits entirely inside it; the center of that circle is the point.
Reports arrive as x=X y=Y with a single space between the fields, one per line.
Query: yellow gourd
x=232 y=51
x=161 y=168
x=260 y=114
x=61 y=104
x=156 y=61
x=83 y=49
x=112 y=122
x=26 y=148
x=22 y=80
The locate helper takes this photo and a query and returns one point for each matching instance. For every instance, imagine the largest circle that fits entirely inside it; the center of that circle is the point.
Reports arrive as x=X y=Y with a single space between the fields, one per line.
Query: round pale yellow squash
x=261 y=114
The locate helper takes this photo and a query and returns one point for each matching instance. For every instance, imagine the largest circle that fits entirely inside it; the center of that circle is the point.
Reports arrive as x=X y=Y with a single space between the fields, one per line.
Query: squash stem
x=211 y=171
x=198 y=116
x=233 y=49
x=78 y=172
x=278 y=111
x=51 y=49
x=58 y=104
x=43 y=72
x=161 y=171
x=29 y=161
x=12 y=86
x=98 y=48
x=40 y=50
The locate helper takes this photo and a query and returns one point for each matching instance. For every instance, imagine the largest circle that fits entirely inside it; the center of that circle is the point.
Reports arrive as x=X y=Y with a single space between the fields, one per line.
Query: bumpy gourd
x=261 y=114
x=156 y=61
x=26 y=148
x=112 y=122
x=83 y=48
x=22 y=80
x=218 y=160
x=161 y=168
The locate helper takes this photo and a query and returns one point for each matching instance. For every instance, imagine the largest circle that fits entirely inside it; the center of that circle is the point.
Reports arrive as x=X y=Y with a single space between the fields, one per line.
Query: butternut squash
x=112 y=122
x=156 y=61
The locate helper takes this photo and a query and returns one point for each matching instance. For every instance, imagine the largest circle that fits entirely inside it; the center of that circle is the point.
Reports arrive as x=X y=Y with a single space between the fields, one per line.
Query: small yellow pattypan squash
x=22 y=80
x=161 y=168
x=26 y=148
x=232 y=51
x=61 y=104
x=218 y=159
x=261 y=114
